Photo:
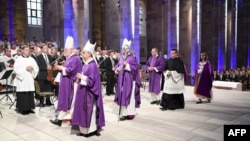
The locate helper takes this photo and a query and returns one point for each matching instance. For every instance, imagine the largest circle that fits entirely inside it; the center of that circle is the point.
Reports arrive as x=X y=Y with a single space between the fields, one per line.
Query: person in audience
x=248 y=81
x=234 y=77
x=244 y=79
x=221 y=76
x=43 y=60
x=108 y=65
x=216 y=75
x=226 y=76
x=203 y=79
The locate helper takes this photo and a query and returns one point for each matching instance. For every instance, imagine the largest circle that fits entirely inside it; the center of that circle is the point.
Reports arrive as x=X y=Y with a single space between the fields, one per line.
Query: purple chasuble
x=155 y=77
x=152 y=61
x=73 y=66
x=87 y=96
x=125 y=83
x=206 y=79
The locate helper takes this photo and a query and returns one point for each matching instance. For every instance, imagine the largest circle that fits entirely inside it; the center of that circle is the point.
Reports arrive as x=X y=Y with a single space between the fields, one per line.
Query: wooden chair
x=42 y=94
x=144 y=79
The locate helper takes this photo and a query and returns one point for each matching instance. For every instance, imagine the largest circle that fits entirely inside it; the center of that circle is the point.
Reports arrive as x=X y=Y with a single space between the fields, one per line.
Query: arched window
x=34 y=12
x=142 y=13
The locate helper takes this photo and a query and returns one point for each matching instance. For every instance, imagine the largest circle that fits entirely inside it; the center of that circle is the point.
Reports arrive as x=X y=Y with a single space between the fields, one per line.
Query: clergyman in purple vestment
x=203 y=79
x=88 y=111
x=155 y=66
x=67 y=85
x=128 y=84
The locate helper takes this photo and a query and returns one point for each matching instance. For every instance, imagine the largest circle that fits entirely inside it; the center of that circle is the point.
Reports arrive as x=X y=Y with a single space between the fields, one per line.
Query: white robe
x=174 y=84
x=130 y=109
x=24 y=80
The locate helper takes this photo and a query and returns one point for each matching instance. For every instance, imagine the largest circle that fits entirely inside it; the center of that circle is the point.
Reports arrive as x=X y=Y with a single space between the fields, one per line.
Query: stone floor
x=202 y=122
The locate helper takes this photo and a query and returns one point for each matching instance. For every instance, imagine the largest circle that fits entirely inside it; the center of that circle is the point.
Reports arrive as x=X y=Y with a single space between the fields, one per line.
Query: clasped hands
x=29 y=68
x=151 y=68
x=168 y=73
x=79 y=76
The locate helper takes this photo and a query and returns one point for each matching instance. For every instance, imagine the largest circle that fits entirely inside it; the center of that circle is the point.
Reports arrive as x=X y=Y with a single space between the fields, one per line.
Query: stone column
x=243 y=33
x=11 y=20
x=220 y=18
x=229 y=33
x=157 y=26
x=185 y=32
x=211 y=31
x=125 y=21
x=196 y=38
x=99 y=22
x=248 y=37
x=53 y=21
x=69 y=22
x=76 y=21
x=136 y=44
x=20 y=19
x=172 y=32
x=233 y=42
x=4 y=20
x=112 y=25
x=82 y=24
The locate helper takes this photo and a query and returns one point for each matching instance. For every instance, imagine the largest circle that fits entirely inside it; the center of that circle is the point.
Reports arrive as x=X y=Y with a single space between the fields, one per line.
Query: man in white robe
x=26 y=69
x=172 y=97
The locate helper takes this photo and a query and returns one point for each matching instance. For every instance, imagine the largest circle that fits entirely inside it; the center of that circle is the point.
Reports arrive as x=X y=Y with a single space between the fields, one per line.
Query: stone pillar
x=248 y=36
x=82 y=23
x=127 y=30
x=69 y=22
x=11 y=20
x=157 y=26
x=185 y=32
x=20 y=19
x=210 y=21
x=4 y=20
x=99 y=22
x=243 y=33
x=76 y=21
x=220 y=18
x=112 y=25
x=233 y=41
x=172 y=32
x=230 y=19
x=53 y=21
x=125 y=21
x=196 y=38
x=136 y=43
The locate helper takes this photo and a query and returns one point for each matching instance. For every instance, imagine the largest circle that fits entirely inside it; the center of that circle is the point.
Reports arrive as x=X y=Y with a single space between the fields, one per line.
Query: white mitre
x=69 y=43
x=89 y=47
x=126 y=44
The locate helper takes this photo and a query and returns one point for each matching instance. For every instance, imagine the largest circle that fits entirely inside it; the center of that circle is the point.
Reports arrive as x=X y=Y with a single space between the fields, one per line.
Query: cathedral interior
x=218 y=27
